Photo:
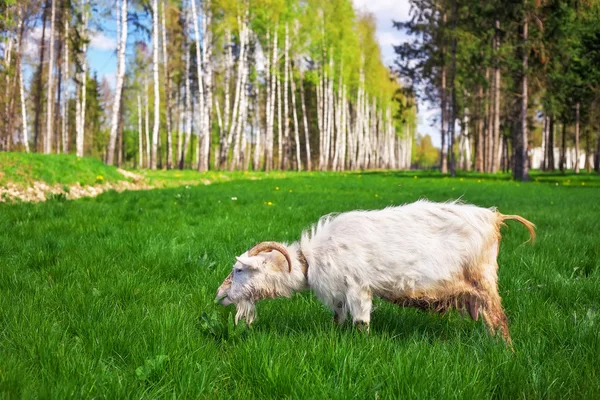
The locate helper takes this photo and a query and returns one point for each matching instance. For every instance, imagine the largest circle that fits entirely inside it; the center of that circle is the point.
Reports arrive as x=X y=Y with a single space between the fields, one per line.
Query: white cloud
x=101 y=42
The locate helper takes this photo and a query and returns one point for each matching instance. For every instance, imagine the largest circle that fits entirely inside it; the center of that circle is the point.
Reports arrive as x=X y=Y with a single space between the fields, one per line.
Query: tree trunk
x=497 y=145
x=119 y=85
x=305 y=123
x=140 y=132
x=577 y=106
x=188 y=102
x=147 y=123
x=65 y=100
x=50 y=90
x=207 y=62
x=296 y=130
x=167 y=78
x=550 y=144
x=563 y=150
x=155 y=47
x=21 y=29
x=453 y=88
x=479 y=136
x=444 y=150
x=286 y=113
x=39 y=84
x=199 y=63
x=521 y=167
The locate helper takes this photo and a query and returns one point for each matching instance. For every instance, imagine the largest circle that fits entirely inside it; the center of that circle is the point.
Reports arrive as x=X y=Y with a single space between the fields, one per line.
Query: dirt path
x=41 y=191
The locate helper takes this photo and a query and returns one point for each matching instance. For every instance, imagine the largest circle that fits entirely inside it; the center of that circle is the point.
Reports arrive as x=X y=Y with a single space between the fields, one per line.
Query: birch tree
x=122 y=44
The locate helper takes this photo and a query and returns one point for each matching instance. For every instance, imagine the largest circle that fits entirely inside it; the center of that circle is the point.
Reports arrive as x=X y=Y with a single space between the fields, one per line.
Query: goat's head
x=261 y=272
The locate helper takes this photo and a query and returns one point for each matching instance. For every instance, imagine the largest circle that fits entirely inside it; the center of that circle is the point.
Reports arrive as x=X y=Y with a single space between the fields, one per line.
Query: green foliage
x=425 y=155
x=113 y=297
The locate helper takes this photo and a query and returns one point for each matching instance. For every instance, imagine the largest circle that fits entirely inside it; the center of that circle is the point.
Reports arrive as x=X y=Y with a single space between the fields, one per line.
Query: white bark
x=50 y=90
x=65 y=99
x=305 y=123
x=207 y=62
x=271 y=103
x=25 y=132
x=167 y=78
x=122 y=40
x=199 y=62
x=140 y=137
x=286 y=113
x=295 y=113
x=155 y=47
x=147 y=120
x=188 y=103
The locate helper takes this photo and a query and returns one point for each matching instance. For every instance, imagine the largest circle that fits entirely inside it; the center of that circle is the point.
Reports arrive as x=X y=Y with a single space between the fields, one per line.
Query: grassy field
x=112 y=297
x=65 y=169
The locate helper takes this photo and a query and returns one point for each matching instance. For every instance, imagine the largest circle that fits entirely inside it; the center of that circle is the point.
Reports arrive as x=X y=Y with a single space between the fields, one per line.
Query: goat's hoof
x=362 y=326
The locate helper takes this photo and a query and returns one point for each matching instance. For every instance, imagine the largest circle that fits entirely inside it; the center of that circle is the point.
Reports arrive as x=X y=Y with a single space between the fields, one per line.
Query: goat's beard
x=245 y=309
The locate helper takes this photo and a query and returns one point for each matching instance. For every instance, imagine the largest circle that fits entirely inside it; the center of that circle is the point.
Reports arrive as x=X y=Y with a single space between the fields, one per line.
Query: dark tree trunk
x=452 y=121
x=550 y=144
x=521 y=162
x=563 y=151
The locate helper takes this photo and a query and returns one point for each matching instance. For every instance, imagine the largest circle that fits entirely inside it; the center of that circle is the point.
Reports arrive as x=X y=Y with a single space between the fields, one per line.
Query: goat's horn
x=269 y=246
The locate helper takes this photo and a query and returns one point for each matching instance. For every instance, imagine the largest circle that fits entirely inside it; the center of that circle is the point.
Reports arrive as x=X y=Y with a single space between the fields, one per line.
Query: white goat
x=427 y=255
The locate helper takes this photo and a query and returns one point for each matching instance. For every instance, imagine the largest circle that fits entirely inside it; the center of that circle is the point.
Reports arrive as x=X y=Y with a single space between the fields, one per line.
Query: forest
x=520 y=78
x=204 y=84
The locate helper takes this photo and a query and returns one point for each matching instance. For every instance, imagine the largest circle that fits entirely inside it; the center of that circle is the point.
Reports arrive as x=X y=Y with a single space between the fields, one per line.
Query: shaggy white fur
x=424 y=254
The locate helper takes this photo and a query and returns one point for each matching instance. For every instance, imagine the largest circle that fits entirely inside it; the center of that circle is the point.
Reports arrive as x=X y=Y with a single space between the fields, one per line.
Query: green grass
x=112 y=297
x=65 y=169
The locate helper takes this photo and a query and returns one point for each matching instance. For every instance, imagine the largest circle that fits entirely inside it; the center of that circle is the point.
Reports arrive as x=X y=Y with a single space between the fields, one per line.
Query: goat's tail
x=528 y=224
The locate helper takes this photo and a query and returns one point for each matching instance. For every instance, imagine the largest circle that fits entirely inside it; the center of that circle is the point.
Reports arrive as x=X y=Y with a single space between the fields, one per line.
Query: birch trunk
x=140 y=139
x=80 y=138
x=188 y=104
x=256 y=125
x=279 y=119
x=305 y=124
x=24 y=133
x=207 y=62
x=577 y=107
x=296 y=132
x=271 y=123
x=38 y=97
x=50 y=90
x=286 y=113
x=199 y=63
x=65 y=101
x=167 y=78
x=236 y=121
x=119 y=85
x=155 y=47
x=147 y=120
x=227 y=103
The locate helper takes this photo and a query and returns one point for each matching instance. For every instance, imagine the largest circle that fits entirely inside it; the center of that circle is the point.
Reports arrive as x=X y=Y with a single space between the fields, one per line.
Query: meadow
x=112 y=297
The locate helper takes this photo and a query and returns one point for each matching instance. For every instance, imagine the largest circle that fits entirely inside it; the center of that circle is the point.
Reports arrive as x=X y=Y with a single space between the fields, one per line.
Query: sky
x=385 y=12
x=103 y=60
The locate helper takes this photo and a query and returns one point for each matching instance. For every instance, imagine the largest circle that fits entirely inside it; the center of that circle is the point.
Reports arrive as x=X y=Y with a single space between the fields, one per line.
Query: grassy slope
x=113 y=297
x=66 y=169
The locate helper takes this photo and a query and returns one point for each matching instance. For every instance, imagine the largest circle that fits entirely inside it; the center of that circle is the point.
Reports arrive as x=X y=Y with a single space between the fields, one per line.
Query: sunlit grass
x=112 y=297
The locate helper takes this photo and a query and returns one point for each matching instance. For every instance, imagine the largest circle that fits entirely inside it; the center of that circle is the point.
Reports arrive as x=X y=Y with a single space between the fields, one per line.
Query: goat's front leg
x=359 y=300
x=340 y=312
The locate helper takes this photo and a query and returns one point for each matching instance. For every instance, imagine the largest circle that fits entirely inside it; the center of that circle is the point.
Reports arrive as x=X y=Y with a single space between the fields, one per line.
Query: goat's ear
x=249 y=262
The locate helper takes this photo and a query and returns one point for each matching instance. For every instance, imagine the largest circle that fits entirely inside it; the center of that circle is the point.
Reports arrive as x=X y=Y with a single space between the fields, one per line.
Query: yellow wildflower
x=277 y=188
x=99 y=178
